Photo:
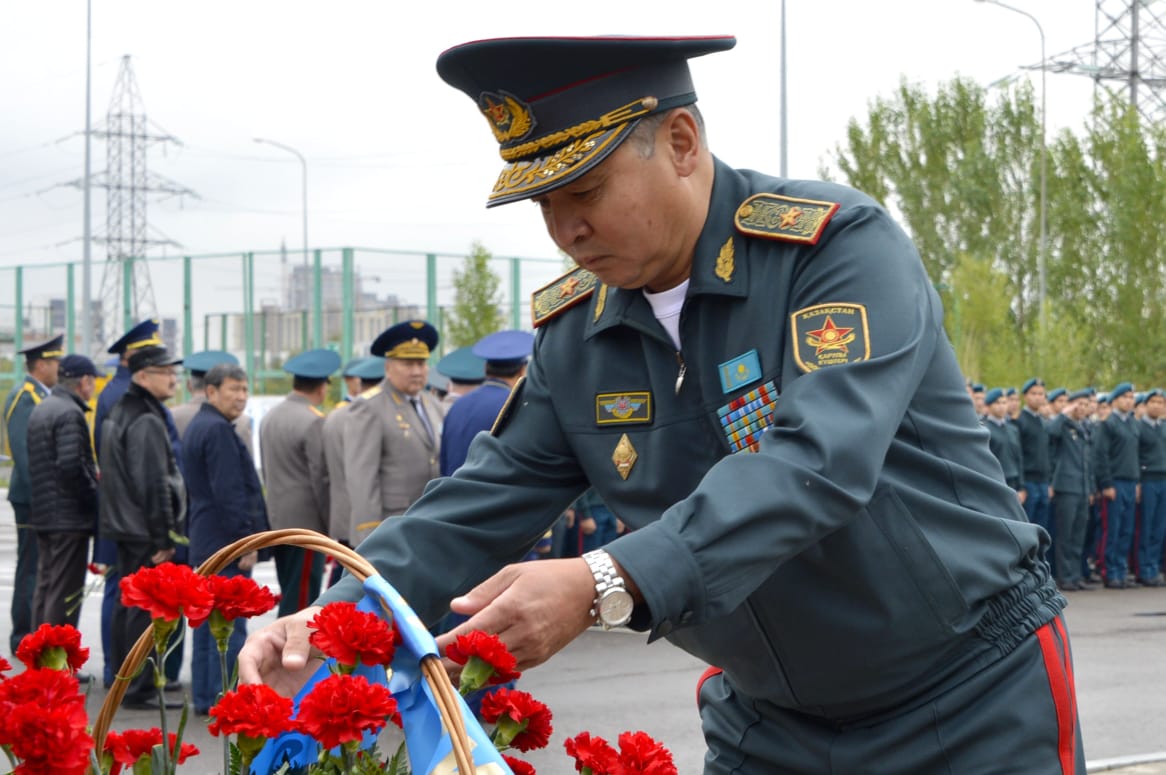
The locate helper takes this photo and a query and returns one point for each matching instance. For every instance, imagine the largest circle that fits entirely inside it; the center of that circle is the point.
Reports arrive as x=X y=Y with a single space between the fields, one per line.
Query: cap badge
x=510 y=118
x=624 y=456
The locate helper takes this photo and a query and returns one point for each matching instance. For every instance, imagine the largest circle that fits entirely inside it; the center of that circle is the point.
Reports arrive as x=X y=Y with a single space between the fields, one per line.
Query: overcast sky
x=397 y=159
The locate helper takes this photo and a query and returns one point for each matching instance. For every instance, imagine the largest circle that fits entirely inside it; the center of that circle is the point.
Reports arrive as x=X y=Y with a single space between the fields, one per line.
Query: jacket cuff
x=667 y=575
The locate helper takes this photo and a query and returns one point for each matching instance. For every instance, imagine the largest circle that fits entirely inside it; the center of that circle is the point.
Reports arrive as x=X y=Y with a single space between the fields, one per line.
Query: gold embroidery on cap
x=509 y=117
x=624 y=456
x=724 y=268
x=606 y=121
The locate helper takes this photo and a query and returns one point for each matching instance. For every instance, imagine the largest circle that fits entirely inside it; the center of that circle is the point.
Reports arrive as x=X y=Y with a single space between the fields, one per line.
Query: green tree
x=477 y=307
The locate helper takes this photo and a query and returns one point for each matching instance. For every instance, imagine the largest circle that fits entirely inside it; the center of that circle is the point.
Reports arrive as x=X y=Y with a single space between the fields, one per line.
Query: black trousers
x=1071 y=512
x=24 y=579
x=62 y=558
x=129 y=623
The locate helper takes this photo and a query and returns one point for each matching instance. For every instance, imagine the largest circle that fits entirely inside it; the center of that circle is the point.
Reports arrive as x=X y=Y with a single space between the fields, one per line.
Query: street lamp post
x=1042 y=244
x=304 y=189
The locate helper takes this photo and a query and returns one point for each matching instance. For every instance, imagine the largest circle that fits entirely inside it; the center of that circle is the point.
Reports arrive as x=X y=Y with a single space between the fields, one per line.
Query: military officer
x=753 y=374
x=505 y=354
x=197 y=365
x=1072 y=486
x=392 y=437
x=41 y=363
x=351 y=380
x=1057 y=398
x=1118 y=476
x=295 y=473
x=465 y=372
x=1034 y=449
x=1004 y=440
x=1152 y=460
x=369 y=372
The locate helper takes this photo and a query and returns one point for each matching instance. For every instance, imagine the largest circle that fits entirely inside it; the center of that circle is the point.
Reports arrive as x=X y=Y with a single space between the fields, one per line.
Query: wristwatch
x=613 y=603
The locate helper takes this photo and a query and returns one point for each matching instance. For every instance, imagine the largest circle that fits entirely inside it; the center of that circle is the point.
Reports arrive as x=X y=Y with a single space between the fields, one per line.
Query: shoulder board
x=784 y=218
x=557 y=297
x=375 y=390
x=316 y=410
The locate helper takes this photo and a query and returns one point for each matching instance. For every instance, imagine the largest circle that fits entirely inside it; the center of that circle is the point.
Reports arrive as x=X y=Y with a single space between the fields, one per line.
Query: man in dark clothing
x=41 y=363
x=1004 y=440
x=1034 y=448
x=1118 y=475
x=64 y=492
x=143 y=499
x=226 y=504
x=1152 y=459
x=1072 y=488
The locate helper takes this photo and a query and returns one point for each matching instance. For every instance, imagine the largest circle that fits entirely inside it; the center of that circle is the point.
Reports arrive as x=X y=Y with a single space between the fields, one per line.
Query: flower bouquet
x=376 y=673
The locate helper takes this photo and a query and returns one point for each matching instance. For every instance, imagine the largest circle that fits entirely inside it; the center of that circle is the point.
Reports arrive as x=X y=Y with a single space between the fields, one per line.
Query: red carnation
x=4 y=667
x=38 y=686
x=519 y=766
x=593 y=754
x=485 y=658
x=131 y=745
x=53 y=646
x=351 y=636
x=169 y=592
x=520 y=720
x=639 y=754
x=341 y=708
x=48 y=740
x=252 y=710
x=238 y=596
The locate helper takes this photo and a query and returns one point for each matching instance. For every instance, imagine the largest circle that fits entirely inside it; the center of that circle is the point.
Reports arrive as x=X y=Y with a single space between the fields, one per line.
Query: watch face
x=616 y=607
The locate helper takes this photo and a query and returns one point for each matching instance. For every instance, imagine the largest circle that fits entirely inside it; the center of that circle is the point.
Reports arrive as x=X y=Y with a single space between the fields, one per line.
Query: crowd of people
x=1090 y=468
x=145 y=482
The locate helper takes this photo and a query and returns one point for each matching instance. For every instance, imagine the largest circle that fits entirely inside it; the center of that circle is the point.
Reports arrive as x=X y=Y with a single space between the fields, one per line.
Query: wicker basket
x=431 y=668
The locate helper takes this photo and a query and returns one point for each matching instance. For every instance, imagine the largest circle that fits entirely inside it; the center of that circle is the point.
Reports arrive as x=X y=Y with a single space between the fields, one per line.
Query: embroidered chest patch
x=830 y=335
x=630 y=407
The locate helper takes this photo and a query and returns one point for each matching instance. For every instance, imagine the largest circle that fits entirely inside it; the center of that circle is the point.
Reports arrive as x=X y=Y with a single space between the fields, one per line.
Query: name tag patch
x=748 y=416
x=623 y=408
x=830 y=335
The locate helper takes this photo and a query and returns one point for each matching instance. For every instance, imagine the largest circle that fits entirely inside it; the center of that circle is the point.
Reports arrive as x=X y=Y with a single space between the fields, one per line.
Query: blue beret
x=1140 y=398
x=1103 y=398
x=144 y=334
x=1056 y=393
x=1121 y=389
x=413 y=339
x=559 y=106
x=462 y=365
x=1031 y=383
x=1011 y=391
x=313 y=364
x=1082 y=393
x=977 y=387
x=53 y=348
x=368 y=368
x=78 y=366
x=505 y=346
x=201 y=362
x=992 y=396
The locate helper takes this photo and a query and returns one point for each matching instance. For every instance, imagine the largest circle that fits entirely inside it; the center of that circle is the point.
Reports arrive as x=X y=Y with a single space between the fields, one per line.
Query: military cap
x=1120 y=389
x=1154 y=392
x=1056 y=393
x=560 y=106
x=1082 y=393
x=44 y=351
x=201 y=362
x=74 y=365
x=348 y=367
x=505 y=347
x=1031 y=383
x=1140 y=398
x=144 y=334
x=463 y=366
x=145 y=357
x=992 y=396
x=1103 y=398
x=313 y=364
x=368 y=368
x=1010 y=391
x=977 y=387
x=412 y=339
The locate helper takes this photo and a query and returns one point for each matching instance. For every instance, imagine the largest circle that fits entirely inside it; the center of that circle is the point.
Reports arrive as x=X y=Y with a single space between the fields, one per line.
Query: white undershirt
x=666 y=307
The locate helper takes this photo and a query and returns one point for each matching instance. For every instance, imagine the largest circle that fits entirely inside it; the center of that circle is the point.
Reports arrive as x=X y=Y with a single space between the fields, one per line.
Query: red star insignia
x=568 y=287
x=829 y=335
x=790 y=218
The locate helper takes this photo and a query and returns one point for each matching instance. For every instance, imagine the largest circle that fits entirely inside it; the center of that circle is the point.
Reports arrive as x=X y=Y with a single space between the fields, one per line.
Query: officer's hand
x=247 y=561
x=279 y=655
x=162 y=555
x=1109 y=493
x=587 y=526
x=1022 y=496
x=536 y=608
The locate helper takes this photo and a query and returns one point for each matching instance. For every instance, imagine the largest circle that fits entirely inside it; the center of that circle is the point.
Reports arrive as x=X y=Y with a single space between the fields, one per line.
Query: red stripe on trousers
x=1061 y=685
x=306 y=578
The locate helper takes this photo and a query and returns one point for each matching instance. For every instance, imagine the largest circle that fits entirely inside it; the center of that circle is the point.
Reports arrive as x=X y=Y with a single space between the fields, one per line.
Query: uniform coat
x=1073 y=480
x=867 y=557
x=1118 y=467
x=339 y=511
x=18 y=408
x=388 y=456
x=1004 y=441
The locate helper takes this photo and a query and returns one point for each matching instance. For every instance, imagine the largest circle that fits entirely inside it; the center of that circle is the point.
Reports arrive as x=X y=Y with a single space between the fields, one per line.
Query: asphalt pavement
x=608 y=682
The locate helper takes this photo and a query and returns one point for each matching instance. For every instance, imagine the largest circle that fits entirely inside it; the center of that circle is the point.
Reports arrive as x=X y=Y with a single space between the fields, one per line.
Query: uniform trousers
x=1119 y=529
x=300 y=573
x=62 y=559
x=1017 y=714
x=1071 y=512
x=24 y=579
x=128 y=623
x=1153 y=528
x=1038 y=507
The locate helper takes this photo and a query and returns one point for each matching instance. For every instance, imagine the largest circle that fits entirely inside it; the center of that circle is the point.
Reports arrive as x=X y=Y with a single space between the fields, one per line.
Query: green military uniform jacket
x=17 y=408
x=295 y=474
x=861 y=550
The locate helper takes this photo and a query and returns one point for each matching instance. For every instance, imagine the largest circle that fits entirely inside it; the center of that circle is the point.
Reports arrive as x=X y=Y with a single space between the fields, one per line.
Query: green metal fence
x=263 y=306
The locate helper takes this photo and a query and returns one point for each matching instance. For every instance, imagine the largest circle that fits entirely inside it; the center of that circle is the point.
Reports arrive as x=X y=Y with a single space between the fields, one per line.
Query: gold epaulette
x=561 y=295
x=375 y=390
x=784 y=218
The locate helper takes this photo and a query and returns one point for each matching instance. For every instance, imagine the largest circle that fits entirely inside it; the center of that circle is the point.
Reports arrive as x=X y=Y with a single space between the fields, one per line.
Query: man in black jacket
x=143 y=499
x=63 y=511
